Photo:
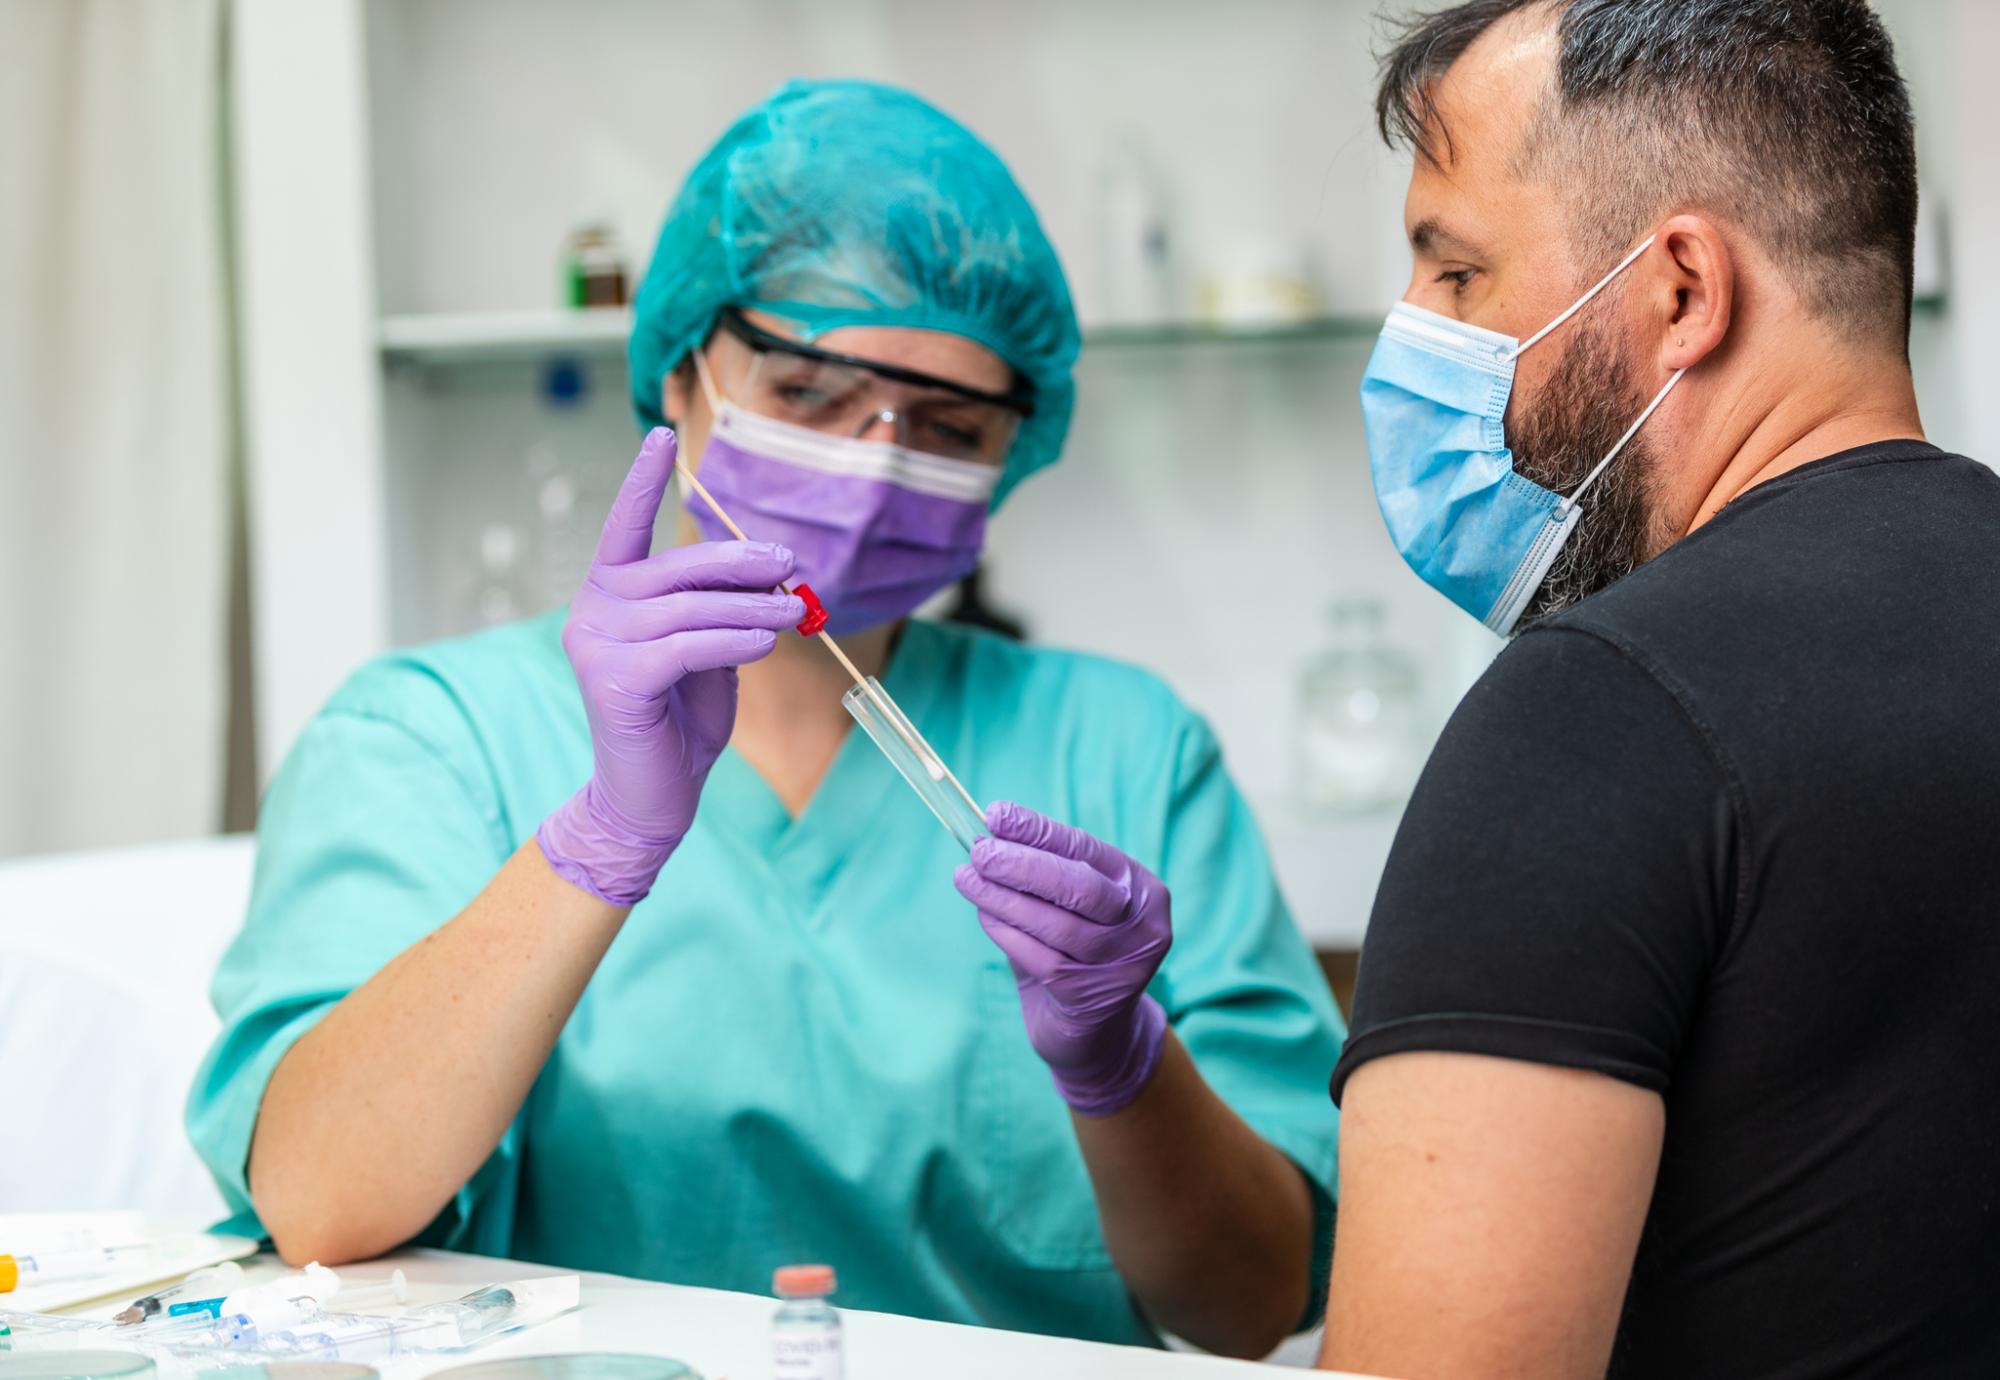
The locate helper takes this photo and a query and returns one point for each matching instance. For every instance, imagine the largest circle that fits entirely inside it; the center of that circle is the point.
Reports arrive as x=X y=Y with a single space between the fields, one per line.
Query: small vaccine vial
x=805 y=1331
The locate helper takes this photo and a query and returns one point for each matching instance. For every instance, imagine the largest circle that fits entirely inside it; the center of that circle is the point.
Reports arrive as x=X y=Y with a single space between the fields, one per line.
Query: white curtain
x=114 y=422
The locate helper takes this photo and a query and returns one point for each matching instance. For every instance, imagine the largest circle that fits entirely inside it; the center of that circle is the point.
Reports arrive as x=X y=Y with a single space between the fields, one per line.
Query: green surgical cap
x=847 y=203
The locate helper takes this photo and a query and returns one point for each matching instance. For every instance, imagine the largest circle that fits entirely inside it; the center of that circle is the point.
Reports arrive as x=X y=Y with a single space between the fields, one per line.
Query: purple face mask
x=877 y=528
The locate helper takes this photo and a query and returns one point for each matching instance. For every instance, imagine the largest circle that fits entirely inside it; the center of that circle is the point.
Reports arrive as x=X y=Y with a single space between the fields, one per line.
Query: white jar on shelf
x=499 y=591
x=1359 y=729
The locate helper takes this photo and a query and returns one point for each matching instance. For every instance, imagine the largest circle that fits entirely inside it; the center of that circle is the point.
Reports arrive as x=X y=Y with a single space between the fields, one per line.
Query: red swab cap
x=815 y=618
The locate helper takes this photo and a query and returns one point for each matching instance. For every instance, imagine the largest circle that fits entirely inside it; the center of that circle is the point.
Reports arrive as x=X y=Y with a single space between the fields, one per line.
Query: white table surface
x=726 y=1336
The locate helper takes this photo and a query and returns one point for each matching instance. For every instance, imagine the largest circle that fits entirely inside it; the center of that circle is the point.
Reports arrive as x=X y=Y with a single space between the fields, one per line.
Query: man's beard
x=1577 y=417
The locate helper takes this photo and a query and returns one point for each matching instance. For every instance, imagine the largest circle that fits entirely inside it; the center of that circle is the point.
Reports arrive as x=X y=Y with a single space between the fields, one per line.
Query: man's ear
x=1695 y=276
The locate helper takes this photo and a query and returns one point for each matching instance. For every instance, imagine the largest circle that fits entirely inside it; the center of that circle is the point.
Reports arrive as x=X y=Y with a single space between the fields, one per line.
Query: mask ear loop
x=707 y=379
x=1576 y=495
x=1580 y=303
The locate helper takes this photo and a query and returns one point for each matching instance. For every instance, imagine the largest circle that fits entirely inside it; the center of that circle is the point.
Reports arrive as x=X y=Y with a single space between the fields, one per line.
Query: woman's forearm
x=380 y=1112
x=1210 y=1225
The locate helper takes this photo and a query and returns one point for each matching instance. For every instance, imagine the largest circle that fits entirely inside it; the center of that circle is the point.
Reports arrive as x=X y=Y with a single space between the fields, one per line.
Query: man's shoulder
x=1805 y=563
x=1788 y=629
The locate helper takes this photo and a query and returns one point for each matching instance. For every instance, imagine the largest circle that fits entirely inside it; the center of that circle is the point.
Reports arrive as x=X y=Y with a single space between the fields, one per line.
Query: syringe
x=354 y=1337
x=215 y=1281
x=248 y=1326
x=451 y=1326
x=277 y=1301
x=28 y=1269
x=500 y=1308
x=248 y=1315
x=30 y=1324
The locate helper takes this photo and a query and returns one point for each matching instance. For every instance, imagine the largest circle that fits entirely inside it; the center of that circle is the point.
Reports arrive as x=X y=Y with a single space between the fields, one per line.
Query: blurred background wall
x=432 y=435
x=115 y=430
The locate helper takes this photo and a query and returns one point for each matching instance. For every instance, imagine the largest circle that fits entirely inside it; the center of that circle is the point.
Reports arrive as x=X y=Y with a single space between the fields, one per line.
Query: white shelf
x=458 y=337
x=600 y=332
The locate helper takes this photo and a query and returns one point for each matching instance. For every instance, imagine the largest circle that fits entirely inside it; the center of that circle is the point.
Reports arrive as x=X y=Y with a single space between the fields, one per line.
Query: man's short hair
x=1787 y=118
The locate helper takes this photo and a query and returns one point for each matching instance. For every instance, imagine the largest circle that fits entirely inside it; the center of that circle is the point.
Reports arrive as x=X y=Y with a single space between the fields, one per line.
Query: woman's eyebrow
x=943 y=393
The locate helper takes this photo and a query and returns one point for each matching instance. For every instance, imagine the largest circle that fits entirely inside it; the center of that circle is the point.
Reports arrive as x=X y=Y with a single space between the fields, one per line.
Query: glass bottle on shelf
x=564 y=534
x=593 y=267
x=1135 y=262
x=500 y=591
x=1358 y=718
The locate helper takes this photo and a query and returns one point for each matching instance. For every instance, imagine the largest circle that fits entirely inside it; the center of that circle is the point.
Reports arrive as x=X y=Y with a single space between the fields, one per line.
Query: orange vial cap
x=802 y=1281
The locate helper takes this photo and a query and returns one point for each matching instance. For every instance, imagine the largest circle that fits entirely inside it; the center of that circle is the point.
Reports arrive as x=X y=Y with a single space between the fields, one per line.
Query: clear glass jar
x=1359 y=718
x=500 y=590
x=805 y=1331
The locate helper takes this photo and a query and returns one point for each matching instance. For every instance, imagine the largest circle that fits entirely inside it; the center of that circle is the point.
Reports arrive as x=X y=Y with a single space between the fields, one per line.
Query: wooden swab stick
x=934 y=766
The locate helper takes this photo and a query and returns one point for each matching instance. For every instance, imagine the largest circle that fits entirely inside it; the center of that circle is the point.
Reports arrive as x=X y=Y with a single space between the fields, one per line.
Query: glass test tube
x=926 y=772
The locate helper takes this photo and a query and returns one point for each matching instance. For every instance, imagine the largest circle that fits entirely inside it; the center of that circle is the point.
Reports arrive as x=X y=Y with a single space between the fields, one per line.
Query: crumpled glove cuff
x=589 y=848
x=1115 y=1081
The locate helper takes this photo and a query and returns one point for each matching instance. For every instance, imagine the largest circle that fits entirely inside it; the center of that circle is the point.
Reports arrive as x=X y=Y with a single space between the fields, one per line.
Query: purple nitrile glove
x=655 y=642
x=1085 y=928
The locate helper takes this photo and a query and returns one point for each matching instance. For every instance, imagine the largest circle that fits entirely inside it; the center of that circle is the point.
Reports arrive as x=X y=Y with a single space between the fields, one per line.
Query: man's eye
x=1459 y=278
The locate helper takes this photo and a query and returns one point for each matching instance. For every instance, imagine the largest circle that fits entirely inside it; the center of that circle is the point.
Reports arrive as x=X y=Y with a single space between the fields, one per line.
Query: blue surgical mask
x=1433 y=399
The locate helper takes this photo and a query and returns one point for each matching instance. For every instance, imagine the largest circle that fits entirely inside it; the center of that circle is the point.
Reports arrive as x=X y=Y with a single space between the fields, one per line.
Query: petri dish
x=891 y=730
x=582 y=1365
x=75 y=1365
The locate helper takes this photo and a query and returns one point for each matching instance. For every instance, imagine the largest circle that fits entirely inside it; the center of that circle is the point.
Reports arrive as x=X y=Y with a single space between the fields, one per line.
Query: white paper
x=26 y=1233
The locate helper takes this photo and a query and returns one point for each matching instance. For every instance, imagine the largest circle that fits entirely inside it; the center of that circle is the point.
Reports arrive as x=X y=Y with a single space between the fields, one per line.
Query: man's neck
x=1861 y=406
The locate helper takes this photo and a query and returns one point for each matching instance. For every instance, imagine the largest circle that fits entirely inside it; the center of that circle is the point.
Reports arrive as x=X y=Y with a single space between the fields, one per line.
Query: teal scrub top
x=801 y=1046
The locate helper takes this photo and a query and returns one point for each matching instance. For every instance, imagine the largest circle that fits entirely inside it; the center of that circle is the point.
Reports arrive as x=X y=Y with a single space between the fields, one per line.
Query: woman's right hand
x=655 y=642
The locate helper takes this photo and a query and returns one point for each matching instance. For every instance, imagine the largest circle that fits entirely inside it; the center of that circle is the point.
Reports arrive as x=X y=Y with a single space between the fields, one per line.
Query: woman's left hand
x=1085 y=928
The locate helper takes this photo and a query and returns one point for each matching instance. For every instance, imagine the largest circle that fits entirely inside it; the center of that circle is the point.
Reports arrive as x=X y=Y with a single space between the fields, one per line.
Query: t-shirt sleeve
x=1563 y=877
x=382 y=824
x=1243 y=991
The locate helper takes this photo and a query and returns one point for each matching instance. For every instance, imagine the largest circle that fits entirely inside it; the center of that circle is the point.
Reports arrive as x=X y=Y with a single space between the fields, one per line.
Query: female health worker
x=571 y=941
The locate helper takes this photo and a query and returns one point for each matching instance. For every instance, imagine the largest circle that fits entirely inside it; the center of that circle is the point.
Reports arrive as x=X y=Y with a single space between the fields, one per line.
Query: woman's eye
x=963 y=438
x=799 y=395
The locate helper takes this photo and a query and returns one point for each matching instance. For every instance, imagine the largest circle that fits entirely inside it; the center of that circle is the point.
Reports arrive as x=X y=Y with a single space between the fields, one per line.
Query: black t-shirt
x=1730 y=830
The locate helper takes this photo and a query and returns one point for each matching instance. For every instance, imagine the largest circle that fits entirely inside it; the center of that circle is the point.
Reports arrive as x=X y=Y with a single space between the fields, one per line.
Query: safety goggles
x=791 y=381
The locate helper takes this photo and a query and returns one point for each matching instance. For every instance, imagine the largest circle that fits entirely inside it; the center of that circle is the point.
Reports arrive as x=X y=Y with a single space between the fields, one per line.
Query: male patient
x=1676 y=1050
